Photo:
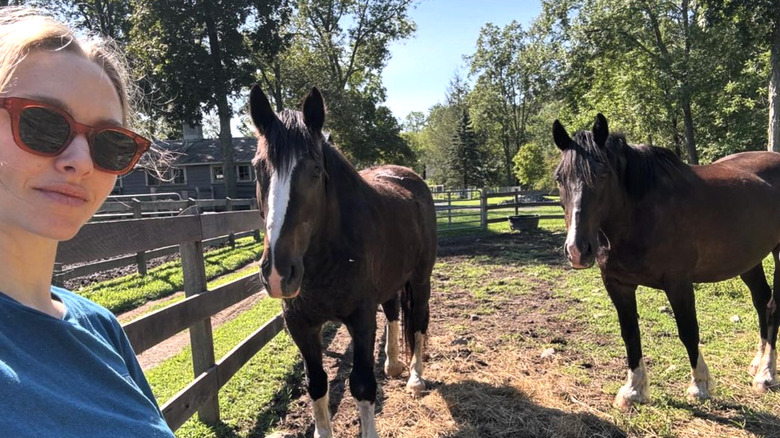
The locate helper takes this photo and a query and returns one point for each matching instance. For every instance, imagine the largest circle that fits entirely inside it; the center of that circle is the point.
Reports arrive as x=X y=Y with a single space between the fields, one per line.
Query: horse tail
x=407 y=309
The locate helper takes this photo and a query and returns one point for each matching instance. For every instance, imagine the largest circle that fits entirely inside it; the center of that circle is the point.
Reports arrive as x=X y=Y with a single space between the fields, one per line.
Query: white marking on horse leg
x=702 y=382
x=278 y=200
x=766 y=377
x=367 y=423
x=753 y=369
x=393 y=367
x=636 y=389
x=416 y=384
x=322 y=426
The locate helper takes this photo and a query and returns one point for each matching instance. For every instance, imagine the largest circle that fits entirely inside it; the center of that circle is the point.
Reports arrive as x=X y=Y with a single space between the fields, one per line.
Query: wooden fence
x=458 y=210
x=110 y=239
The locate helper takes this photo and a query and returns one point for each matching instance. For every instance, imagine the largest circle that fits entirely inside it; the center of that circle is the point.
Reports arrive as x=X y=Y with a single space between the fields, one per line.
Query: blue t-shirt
x=71 y=377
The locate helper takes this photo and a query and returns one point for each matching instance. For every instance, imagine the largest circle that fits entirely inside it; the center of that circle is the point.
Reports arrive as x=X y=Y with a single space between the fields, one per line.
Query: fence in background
x=467 y=209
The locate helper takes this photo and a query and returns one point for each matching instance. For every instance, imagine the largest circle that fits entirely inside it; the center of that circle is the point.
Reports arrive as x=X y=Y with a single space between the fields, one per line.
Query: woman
x=66 y=367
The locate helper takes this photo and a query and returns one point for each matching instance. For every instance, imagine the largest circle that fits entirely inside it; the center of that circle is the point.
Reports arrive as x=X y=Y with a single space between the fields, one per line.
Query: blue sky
x=417 y=75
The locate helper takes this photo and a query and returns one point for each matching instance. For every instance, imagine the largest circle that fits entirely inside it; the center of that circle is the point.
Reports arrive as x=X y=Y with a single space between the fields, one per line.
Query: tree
x=758 y=24
x=466 y=159
x=342 y=46
x=513 y=70
x=195 y=55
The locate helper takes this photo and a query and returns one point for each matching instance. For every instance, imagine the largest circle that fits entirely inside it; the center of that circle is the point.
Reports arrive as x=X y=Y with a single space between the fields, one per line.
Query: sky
x=421 y=67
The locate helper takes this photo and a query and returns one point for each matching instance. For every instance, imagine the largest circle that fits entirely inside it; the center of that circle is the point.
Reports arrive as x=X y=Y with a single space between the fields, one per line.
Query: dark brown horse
x=649 y=219
x=338 y=244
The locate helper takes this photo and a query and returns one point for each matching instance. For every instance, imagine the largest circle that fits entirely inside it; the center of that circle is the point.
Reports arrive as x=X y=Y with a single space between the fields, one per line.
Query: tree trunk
x=690 y=141
x=223 y=107
x=774 y=84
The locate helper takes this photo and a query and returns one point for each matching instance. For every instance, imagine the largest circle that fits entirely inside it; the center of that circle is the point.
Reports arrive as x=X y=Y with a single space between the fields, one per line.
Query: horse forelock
x=585 y=160
x=286 y=141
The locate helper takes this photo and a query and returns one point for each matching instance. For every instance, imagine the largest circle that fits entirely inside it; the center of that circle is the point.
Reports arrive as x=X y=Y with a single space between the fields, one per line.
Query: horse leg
x=755 y=279
x=309 y=342
x=766 y=374
x=393 y=367
x=636 y=389
x=362 y=383
x=680 y=295
x=416 y=318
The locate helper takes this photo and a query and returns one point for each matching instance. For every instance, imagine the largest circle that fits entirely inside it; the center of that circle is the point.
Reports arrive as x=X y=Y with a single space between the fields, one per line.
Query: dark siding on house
x=198 y=184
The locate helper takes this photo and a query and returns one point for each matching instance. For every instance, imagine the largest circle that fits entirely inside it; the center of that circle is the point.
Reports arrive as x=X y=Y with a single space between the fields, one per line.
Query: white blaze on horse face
x=278 y=202
x=571 y=238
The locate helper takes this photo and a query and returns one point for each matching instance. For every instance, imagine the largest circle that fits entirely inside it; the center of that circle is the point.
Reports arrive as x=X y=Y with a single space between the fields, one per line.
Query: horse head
x=586 y=180
x=290 y=186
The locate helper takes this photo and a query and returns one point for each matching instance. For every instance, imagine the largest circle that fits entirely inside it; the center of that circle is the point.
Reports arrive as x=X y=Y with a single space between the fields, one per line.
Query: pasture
x=500 y=300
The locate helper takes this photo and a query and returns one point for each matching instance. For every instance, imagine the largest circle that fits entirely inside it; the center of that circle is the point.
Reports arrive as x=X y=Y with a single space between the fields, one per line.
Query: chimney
x=192 y=132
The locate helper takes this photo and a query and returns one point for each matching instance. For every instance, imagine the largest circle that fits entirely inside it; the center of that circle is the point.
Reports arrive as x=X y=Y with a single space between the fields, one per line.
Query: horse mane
x=639 y=168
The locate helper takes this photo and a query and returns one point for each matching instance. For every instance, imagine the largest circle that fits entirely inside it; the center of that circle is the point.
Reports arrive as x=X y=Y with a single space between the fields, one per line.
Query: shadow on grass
x=735 y=415
x=483 y=410
x=535 y=247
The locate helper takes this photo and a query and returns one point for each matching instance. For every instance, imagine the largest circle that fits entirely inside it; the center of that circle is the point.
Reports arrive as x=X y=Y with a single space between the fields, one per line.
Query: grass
x=248 y=402
x=128 y=292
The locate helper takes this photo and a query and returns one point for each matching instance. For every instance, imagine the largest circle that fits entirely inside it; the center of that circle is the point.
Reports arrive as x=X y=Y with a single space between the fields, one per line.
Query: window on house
x=217 y=176
x=172 y=176
x=243 y=173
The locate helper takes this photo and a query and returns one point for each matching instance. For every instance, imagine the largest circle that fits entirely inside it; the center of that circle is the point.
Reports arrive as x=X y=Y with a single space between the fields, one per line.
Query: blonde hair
x=25 y=30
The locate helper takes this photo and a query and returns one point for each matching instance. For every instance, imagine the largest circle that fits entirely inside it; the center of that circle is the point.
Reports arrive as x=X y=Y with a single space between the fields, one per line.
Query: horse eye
x=317 y=171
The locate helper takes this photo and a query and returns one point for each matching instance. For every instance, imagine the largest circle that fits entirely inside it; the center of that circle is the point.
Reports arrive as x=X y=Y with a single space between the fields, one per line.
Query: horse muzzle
x=580 y=254
x=282 y=280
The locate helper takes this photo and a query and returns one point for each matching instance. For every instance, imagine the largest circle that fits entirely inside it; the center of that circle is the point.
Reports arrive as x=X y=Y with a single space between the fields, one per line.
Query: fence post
x=516 y=202
x=229 y=207
x=449 y=208
x=201 y=338
x=140 y=257
x=483 y=208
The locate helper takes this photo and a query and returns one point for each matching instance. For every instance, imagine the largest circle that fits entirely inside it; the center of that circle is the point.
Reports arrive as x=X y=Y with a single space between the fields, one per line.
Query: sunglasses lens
x=114 y=150
x=43 y=130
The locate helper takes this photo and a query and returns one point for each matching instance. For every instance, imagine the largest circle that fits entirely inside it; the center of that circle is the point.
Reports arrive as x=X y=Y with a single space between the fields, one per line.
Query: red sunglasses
x=43 y=129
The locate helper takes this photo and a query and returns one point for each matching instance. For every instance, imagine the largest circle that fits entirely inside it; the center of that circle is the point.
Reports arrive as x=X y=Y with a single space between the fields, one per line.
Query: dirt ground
x=485 y=379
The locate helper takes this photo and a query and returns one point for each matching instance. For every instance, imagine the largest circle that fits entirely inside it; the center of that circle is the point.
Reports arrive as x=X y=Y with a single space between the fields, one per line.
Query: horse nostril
x=587 y=250
x=291 y=277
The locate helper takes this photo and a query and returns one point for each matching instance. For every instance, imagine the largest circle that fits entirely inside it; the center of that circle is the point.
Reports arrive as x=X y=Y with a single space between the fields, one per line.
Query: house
x=196 y=171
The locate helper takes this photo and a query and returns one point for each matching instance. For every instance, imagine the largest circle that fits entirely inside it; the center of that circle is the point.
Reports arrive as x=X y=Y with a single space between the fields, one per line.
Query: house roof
x=208 y=151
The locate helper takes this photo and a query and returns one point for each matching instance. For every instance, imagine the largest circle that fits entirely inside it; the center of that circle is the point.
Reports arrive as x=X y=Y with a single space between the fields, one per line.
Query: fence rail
x=111 y=239
x=455 y=207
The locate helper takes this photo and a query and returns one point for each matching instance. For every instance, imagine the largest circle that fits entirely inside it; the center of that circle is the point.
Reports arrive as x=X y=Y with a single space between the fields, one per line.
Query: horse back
x=406 y=214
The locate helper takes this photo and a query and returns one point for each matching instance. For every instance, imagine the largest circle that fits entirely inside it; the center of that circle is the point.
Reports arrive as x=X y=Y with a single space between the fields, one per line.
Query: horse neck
x=345 y=187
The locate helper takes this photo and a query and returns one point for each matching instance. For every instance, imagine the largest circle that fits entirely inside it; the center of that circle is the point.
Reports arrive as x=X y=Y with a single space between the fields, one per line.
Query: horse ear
x=314 y=110
x=260 y=109
x=560 y=136
x=600 y=130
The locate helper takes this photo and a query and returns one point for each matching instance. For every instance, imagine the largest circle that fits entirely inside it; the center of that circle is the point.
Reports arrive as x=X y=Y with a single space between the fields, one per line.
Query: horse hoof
x=415 y=385
x=764 y=383
x=394 y=370
x=627 y=397
x=697 y=393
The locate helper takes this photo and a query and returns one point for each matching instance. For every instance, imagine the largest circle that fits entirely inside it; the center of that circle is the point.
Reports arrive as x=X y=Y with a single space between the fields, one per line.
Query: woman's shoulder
x=79 y=307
